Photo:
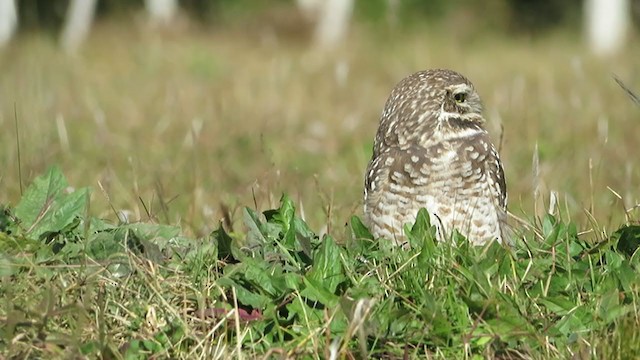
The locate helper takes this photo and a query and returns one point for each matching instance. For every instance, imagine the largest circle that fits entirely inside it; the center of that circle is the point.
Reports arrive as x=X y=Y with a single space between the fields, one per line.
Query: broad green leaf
x=575 y=321
x=245 y=296
x=628 y=239
x=316 y=291
x=67 y=209
x=306 y=316
x=286 y=216
x=575 y=248
x=550 y=229
x=421 y=231
x=40 y=195
x=270 y=280
x=559 y=283
x=302 y=229
x=286 y=212
x=304 y=235
x=559 y=305
x=327 y=267
x=255 y=233
x=147 y=239
x=96 y=225
x=151 y=231
x=627 y=277
x=45 y=208
x=609 y=300
x=103 y=245
x=359 y=230
x=613 y=260
x=616 y=312
x=292 y=281
x=224 y=243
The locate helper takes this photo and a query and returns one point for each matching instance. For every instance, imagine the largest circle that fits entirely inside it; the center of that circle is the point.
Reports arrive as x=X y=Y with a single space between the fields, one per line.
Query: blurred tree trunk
x=333 y=23
x=161 y=11
x=606 y=25
x=331 y=17
x=392 y=12
x=78 y=23
x=8 y=20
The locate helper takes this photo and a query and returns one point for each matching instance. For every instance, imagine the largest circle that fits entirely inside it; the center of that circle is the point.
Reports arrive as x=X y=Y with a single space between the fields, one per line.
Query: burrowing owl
x=432 y=151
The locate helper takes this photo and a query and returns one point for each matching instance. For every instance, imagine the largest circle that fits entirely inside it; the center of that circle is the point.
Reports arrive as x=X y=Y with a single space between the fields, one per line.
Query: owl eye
x=460 y=97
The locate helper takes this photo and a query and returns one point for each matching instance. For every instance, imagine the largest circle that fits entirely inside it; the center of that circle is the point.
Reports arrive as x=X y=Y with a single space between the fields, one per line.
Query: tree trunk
x=77 y=24
x=161 y=11
x=8 y=20
x=333 y=22
x=606 y=25
x=392 y=12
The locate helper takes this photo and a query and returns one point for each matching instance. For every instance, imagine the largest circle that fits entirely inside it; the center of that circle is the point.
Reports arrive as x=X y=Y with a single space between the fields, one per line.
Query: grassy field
x=180 y=131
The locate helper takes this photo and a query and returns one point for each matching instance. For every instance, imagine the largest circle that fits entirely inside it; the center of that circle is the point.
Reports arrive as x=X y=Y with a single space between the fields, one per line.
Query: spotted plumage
x=432 y=151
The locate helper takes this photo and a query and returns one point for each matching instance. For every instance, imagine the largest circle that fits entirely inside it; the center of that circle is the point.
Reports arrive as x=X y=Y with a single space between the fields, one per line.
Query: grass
x=183 y=131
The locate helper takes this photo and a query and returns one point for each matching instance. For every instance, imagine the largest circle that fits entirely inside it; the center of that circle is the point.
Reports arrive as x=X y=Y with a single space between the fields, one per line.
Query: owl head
x=428 y=105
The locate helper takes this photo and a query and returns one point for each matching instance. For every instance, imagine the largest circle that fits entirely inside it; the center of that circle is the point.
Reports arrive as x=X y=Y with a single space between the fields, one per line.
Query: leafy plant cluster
x=133 y=290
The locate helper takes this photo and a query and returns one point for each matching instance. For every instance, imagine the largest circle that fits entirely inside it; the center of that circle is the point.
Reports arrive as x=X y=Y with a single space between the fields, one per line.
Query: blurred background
x=183 y=112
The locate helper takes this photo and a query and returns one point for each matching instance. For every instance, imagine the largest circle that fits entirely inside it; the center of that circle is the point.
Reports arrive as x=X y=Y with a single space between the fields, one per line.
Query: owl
x=432 y=151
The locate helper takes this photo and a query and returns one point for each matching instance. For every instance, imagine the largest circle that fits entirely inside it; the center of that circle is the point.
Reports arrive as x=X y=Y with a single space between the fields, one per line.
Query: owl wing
x=494 y=171
x=414 y=167
x=496 y=181
x=479 y=162
x=396 y=168
x=393 y=181
x=496 y=175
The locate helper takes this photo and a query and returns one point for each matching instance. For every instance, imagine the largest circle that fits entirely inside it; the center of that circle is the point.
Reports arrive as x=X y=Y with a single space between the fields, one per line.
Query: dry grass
x=187 y=121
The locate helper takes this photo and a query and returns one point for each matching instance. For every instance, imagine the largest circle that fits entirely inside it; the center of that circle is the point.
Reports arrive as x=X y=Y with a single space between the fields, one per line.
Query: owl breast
x=459 y=182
